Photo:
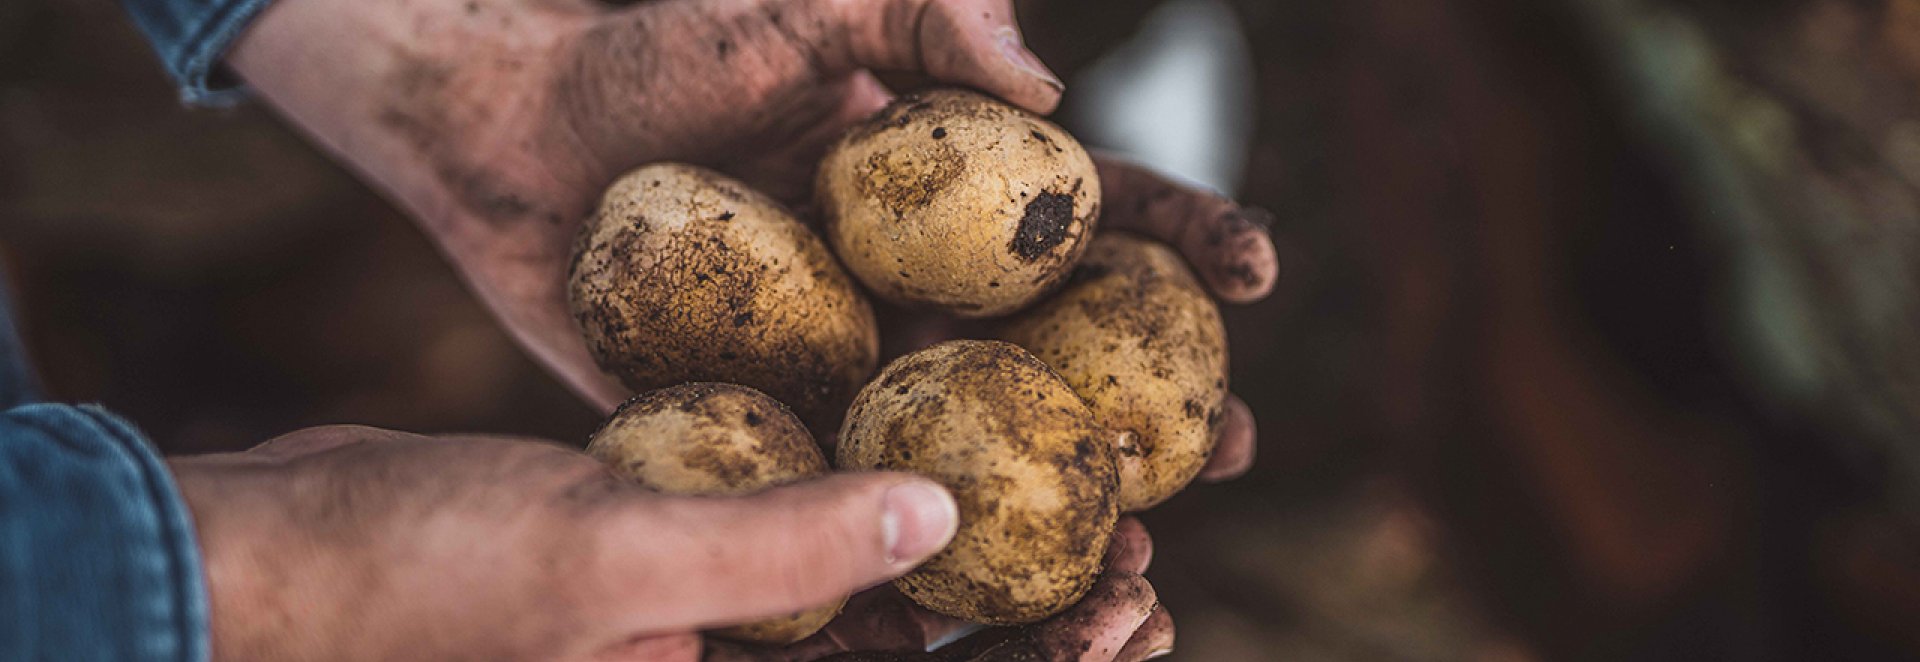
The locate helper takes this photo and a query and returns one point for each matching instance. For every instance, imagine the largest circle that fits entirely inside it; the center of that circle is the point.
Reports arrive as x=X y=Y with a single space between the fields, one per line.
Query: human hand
x=496 y=123
x=1119 y=620
x=350 y=543
x=358 y=543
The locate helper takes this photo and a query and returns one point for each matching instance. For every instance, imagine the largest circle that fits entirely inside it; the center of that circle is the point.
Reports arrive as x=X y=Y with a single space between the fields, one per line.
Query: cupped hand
x=354 y=543
x=350 y=543
x=496 y=123
x=1119 y=620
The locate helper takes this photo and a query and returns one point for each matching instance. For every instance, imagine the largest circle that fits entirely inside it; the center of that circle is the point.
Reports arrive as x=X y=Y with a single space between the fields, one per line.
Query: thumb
x=971 y=42
x=721 y=561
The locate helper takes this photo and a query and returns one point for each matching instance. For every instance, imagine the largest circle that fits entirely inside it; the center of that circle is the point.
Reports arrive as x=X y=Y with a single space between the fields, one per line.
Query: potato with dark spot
x=708 y=439
x=1142 y=342
x=954 y=200
x=685 y=275
x=1031 y=471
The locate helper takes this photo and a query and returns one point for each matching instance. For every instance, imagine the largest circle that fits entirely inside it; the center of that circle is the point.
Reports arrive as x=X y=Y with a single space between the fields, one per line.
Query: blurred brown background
x=1597 y=340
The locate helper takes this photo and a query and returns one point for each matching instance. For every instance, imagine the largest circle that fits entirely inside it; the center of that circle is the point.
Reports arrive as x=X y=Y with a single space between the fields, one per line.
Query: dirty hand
x=496 y=123
x=351 y=543
x=354 y=543
x=1119 y=620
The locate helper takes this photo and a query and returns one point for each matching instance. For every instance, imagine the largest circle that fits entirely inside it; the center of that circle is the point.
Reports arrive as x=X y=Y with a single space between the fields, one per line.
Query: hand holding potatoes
x=496 y=123
x=1120 y=619
x=352 y=543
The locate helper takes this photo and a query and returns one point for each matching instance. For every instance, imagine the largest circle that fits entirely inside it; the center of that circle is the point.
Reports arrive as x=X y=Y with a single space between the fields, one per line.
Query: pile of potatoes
x=1097 y=396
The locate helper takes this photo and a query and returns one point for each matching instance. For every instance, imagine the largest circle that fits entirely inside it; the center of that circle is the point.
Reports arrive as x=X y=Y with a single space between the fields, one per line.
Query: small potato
x=685 y=275
x=1141 y=341
x=1032 y=473
x=956 y=201
x=716 y=440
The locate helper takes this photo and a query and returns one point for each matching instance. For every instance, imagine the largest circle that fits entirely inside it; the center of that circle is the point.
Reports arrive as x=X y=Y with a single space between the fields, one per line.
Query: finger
x=690 y=563
x=1235 y=443
x=1100 y=625
x=1227 y=245
x=1153 y=639
x=740 y=70
x=884 y=620
x=1095 y=630
x=971 y=42
x=1131 y=549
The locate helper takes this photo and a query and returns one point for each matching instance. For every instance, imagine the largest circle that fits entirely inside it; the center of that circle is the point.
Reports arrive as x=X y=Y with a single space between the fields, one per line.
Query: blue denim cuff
x=97 y=553
x=191 y=37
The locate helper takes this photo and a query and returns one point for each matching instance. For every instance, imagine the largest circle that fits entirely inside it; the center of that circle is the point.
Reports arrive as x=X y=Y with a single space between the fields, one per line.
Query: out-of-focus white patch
x=1178 y=96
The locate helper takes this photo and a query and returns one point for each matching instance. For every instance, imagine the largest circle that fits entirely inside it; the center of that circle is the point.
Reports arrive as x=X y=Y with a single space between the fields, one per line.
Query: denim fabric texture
x=98 y=559
x=191 y=37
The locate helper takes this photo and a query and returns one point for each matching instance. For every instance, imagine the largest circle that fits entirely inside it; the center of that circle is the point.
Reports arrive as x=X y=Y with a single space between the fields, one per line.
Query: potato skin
x=685 y=275
x=1032 y=473
x=1142 y=342
x=954 y=200
x=709 y=439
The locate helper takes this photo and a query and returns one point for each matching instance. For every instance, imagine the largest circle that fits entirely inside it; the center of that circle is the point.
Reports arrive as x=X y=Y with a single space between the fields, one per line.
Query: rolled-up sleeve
x=97 y=553
x=191 y=37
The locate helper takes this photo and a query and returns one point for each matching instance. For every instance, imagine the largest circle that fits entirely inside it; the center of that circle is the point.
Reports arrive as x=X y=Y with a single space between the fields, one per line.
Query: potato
x=685 y=275
x=709 y=439
x=1141 y=341
x=957 y=201
x=1032 y=473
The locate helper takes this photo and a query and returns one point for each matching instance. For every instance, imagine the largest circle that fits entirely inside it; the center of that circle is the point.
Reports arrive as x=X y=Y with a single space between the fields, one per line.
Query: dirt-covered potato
x=708 y=439
x=1032 y=473
x=685 y=275
x=958 y=201
x=1141 y=341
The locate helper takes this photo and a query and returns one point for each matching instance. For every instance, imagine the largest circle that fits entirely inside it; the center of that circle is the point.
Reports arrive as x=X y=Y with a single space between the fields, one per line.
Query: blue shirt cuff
x=98 y=559
x=192 y=37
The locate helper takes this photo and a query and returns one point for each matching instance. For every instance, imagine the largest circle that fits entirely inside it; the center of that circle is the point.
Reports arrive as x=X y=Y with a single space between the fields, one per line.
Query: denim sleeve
x=191 y=37
x=97 y=555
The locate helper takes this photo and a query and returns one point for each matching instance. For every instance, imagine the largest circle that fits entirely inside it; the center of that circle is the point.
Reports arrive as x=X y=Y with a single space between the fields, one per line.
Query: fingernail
x=1160 y=653
x=917 y=518
x=1016 y=53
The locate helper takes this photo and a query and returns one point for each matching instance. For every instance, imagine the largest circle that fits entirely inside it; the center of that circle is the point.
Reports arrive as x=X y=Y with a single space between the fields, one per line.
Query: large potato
x=955 y=200
x=1141 y=341
x=716 y=440
x=1032 y=473
x=685 y=275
